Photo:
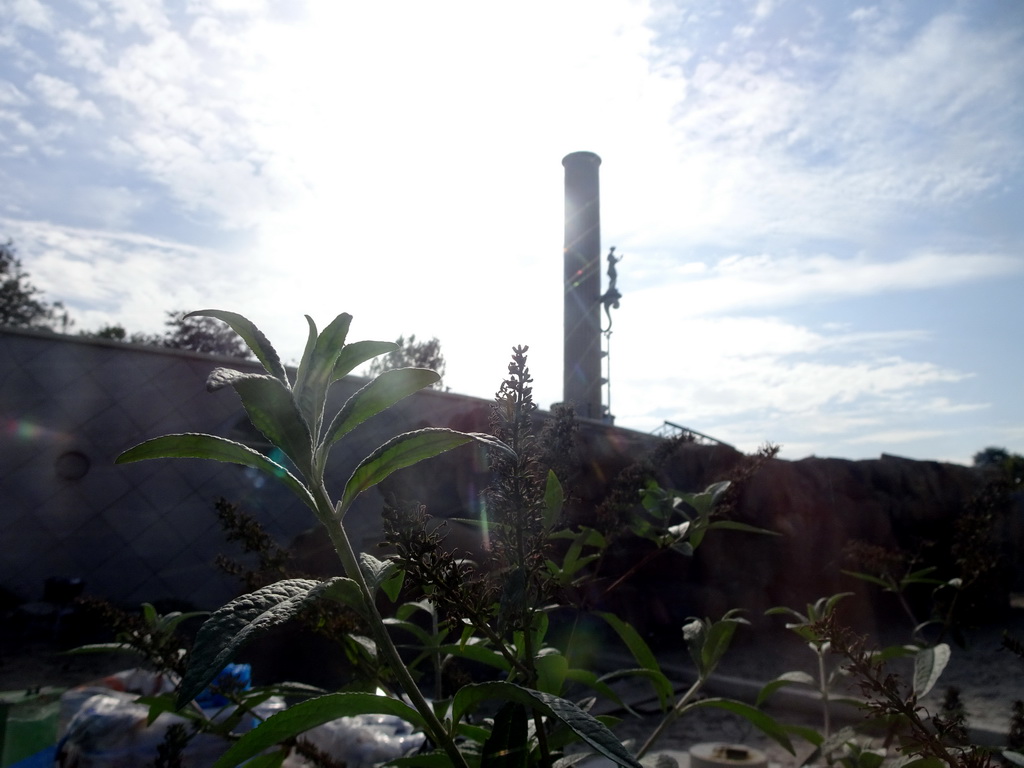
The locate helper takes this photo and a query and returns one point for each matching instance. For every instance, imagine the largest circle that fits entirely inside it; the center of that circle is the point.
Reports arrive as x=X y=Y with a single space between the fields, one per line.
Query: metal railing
x=670 y=429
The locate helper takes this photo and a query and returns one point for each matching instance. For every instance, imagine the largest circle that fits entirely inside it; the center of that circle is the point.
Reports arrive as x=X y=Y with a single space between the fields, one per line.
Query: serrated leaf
x=554 y=497
x=252 y=336
x=766 y=724
x=272 y=410
x=307 y=352
x=191 y=445
x=299 y=718
x=587 y=727
x=405 y=450
x=787 y=678
x=239 y=621
x=376 y=396
x=928 y=666
x=376 y=572
x=345 y=591
x=313 y=378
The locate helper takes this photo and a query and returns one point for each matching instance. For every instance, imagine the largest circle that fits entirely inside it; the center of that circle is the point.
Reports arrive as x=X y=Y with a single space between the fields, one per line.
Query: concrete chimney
x=582 y=351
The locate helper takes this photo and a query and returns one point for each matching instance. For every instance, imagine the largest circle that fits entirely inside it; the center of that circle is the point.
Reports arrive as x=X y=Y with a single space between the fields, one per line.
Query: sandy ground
x=989 y=678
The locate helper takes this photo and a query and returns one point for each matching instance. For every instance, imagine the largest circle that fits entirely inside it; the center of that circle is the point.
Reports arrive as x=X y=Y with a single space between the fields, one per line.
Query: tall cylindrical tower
x=582 y=351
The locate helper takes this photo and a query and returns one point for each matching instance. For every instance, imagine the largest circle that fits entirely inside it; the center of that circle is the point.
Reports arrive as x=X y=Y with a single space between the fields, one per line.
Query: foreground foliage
x=498 y=615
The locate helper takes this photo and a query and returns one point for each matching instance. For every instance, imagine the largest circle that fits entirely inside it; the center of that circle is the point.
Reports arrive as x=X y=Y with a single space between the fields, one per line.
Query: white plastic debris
x=365 y=741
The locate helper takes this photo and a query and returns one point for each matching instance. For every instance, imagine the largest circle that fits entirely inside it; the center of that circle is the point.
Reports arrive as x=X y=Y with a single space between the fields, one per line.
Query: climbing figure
x=611 y=297
x=613 y=273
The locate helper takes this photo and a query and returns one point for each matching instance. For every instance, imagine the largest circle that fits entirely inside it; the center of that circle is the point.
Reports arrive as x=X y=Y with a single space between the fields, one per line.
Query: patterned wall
x=145 y=531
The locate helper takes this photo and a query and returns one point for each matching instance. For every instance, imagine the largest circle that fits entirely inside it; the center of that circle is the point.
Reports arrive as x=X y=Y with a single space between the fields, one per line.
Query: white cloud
x=765 y=281
x=10 y=95
x=82 y=51
x=64 y=96
x=874 y=132
x=30 y=13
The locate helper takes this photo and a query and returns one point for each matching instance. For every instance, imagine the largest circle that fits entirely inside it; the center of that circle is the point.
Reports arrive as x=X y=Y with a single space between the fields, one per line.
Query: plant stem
x=435 y=728
x=672 y=715
x=823 y=690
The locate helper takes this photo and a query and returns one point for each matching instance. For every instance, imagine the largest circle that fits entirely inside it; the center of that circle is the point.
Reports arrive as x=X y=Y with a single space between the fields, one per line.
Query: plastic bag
x=365 y=740
x=104 y=727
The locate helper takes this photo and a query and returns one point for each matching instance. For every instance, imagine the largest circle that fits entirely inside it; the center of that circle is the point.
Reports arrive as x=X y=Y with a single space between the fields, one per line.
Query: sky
x=819 y=205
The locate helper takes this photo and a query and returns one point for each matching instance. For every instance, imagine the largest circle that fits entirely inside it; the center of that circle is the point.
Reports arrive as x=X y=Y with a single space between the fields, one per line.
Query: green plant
x=897 y=573
x=920 y=738
x=291 y=415
x=806 y=626
x=707 y=641
x=149 y=634
x=891 y=708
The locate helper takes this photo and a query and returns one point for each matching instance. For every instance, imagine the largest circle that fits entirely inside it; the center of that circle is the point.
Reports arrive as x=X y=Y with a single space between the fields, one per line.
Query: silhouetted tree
x=991 y=457
x=1009 y=465
x=412 y=354
x=196 y=334
x=20 y=305
x=206 y=335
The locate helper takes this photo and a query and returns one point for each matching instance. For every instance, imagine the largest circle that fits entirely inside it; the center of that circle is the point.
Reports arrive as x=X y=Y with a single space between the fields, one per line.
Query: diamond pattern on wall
x=148 y=530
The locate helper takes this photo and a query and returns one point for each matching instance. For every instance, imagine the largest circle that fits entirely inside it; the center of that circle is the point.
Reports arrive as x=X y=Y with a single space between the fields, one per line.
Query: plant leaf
x=786 y=678
x=307 y=352
x=379 y=394
x=377 y=572
x=309 y=714
x=551 y=672
x=272 y=410
x=316 y=375
x=928 y=666
x=640 y=650
x=191 y=445
x=587 y=727
x=716 y=643
x=477 y=652
x=766 y=724
x=405 y=450
x=357 y=353
x=252 y=336
x=870 y=579
x=239 y=621
x=733 y=525
x=553 y=500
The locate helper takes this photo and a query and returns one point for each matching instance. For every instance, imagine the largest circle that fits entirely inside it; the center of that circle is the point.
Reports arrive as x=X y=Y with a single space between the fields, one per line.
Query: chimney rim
x=592 y=157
